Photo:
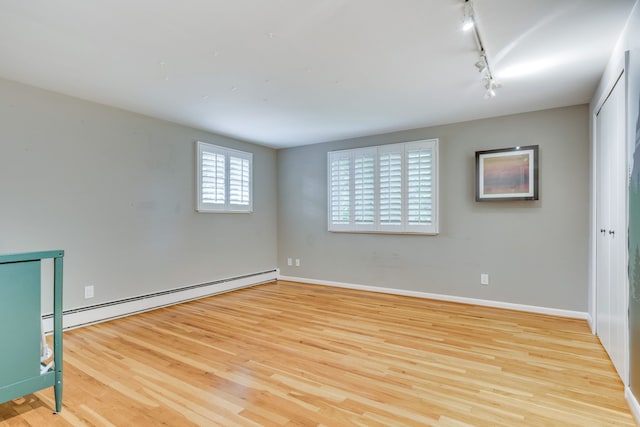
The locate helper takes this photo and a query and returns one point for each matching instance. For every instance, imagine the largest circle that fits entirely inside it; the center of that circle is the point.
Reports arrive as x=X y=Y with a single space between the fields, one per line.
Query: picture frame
x=507 y=174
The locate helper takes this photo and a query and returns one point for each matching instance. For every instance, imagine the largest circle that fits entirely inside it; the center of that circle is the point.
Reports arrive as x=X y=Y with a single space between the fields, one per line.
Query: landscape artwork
x=507 y=174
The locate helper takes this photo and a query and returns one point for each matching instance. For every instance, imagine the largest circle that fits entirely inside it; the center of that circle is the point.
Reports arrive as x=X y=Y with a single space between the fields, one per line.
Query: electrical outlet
x=289 y=262
x=297 y=262
x=88 y=292
x=484 y=279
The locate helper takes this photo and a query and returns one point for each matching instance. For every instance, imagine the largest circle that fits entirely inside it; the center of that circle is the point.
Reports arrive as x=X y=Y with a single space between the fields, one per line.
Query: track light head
x=481 y=65
x=468 y=22
x=491 y=87
x=490 y=93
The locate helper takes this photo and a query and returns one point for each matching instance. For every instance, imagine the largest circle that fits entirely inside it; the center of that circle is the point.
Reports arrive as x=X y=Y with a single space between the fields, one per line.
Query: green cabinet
x=20 y=326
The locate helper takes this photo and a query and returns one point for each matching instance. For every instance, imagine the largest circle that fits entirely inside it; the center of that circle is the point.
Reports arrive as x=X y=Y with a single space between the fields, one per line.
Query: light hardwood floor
x=289 y=354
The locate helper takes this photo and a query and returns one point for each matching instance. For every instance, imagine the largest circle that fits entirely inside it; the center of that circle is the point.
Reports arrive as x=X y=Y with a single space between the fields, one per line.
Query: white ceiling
x=292 y=72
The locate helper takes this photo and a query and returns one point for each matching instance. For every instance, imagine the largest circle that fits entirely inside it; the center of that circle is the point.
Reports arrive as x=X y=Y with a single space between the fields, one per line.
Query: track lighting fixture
x=482 y=64
x=491 y=87
x=467 y=22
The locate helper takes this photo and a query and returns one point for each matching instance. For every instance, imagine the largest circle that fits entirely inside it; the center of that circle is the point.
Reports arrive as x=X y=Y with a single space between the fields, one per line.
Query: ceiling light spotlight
x=481 y=65
x=467 y=22
x=490 y=93
x=491 y=87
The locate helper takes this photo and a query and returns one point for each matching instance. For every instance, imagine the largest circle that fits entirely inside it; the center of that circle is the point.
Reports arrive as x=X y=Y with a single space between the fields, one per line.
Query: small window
x=386 y=189
x=224 y=179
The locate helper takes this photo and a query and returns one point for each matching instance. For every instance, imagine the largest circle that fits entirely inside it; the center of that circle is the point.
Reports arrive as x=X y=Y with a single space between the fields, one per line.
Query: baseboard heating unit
x=82 y=316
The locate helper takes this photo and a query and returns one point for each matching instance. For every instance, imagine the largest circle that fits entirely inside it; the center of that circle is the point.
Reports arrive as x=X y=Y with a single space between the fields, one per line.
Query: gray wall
x=536 y=253
x=116 y=191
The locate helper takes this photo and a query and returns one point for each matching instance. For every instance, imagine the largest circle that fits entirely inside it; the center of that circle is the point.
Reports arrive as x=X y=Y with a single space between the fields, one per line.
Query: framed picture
x=507 y=174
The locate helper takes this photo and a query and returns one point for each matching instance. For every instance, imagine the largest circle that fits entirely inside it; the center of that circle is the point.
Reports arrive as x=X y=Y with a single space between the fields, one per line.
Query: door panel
x=611 y=251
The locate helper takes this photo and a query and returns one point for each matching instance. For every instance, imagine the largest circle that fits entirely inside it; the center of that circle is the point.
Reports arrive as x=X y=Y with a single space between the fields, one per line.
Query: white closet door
x=603 y=256
x=611 y=244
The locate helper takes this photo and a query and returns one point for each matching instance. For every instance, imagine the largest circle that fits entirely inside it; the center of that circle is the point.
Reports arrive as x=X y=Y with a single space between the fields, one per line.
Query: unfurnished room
x=320 y=213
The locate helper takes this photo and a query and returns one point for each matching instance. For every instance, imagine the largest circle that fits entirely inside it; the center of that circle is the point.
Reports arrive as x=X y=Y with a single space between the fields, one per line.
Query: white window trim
x=376 y=227
x=225 y=207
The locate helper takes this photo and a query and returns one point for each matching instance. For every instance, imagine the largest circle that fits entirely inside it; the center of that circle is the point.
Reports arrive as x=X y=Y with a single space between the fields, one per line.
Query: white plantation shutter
x=339 y=190
x=386 y=189
x=364 y=187
x=212 y=177
x=390 y=170
x=239 y=180
x=224 y=179
x=421 y=189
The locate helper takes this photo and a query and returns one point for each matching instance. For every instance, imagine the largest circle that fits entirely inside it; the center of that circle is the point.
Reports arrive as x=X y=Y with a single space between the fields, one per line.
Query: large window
x=224 y=179
x=385 y=189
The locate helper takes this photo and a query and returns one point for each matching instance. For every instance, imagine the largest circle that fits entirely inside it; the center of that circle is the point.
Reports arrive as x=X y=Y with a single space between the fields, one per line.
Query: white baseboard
x=112 y=310
x=592 y=325
x=102 y=312
x=633 y=404
x=449 y=298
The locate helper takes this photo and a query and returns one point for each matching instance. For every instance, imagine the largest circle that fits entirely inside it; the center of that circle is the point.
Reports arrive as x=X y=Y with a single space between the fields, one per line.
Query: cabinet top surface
x=31 y=256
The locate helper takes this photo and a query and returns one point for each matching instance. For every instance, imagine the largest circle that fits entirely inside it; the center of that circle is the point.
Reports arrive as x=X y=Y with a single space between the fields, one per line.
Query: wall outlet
x=297 y=262
x=484 y=279
x=88 y=292
x=289 y=262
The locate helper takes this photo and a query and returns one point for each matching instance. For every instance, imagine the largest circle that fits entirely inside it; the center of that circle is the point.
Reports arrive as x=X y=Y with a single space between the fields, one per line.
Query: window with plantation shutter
x=385 y=189
x=224 y=179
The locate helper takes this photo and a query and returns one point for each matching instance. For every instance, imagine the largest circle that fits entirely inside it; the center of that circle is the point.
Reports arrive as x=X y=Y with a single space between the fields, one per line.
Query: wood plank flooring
x=289 y=354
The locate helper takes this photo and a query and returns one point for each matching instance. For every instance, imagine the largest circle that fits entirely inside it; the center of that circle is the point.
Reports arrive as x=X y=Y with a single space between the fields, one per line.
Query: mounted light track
x=483 y=66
